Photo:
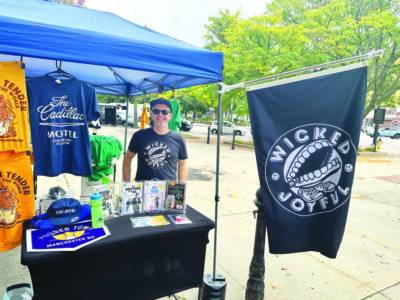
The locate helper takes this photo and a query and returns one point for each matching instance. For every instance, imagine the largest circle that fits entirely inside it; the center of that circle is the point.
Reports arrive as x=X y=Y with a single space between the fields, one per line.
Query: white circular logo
x=157 y=154
x=309 y=169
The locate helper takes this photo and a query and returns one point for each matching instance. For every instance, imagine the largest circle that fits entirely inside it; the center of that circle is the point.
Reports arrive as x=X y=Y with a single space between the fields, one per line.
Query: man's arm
x=182 y=170
x=126 y=166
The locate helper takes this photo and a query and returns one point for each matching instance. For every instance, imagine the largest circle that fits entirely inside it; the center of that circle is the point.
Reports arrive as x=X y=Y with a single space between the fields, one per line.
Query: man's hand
x=182 y=171
x=126 y=166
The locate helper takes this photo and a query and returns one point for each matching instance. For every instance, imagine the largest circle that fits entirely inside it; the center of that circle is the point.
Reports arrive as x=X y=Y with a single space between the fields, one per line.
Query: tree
x=348 y=27
x=218 y=27
x=293 y=34
x=110 y=98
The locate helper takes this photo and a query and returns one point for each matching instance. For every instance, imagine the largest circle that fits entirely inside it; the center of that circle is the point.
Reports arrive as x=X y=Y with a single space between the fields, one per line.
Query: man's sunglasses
x=156 y=111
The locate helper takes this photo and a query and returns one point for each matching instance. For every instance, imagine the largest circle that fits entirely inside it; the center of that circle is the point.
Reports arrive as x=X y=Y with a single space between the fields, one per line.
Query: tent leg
x=214 y=286
x=126 y=123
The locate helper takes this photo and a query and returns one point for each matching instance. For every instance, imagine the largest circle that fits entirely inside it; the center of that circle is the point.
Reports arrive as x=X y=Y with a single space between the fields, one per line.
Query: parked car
x=185 y=125
x=393 y=133
x=229 y=128
x=369 y=130
x=121 y=119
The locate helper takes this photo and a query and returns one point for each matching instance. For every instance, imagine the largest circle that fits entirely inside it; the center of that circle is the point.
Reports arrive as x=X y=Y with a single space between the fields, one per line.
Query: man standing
x=161 y=153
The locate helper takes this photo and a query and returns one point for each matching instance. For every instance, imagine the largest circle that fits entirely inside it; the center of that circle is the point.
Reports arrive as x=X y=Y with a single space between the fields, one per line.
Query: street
x=388 y=144
x=200 y=130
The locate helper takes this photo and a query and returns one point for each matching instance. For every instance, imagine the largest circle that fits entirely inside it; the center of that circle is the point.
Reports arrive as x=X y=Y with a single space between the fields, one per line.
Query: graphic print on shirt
x=309 y=169
x=157 y=154
x=17 y=202
x=7 y=115
x=60 y=108
x=14 y=120
x=13 y=187
x=8 y=205
x=58 y=112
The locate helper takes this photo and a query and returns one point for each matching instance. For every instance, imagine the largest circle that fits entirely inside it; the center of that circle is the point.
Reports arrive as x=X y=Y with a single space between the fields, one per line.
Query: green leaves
x=293 y=34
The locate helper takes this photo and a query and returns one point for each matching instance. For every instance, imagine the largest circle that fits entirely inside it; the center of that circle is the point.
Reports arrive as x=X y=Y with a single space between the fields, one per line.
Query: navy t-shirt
x=58 y=112
x=158 y=155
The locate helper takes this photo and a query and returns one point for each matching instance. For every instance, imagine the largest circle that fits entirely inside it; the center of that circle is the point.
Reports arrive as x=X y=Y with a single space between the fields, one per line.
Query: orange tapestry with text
x=17 y=202
x=14 y=112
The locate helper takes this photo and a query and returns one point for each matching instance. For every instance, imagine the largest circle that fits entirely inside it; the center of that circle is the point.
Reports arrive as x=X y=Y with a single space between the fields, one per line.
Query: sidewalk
x=368 y=261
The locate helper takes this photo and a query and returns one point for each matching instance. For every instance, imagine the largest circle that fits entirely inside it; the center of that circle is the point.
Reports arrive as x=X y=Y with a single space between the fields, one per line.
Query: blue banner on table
x=68 y=238
x=306 y=135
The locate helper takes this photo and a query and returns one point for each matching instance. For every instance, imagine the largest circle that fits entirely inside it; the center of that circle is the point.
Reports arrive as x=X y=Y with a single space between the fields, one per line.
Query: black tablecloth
x=131 y=263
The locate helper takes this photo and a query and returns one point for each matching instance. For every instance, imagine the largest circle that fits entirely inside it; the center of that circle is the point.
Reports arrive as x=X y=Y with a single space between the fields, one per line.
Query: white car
x=229 y=128
x=369 y=130
x=393 y=133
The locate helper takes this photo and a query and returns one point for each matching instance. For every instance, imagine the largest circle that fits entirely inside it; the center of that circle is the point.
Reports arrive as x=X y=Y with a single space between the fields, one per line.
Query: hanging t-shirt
x=104 y=149
x=14 y=121
x=175 y=121
x=144 y=119
x=17 y=202
x=58 y=111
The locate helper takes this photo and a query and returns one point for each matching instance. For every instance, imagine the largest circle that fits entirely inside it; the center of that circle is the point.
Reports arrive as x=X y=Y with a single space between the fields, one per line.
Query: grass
x=188 y=136
x=244 y=143
x=366 y=149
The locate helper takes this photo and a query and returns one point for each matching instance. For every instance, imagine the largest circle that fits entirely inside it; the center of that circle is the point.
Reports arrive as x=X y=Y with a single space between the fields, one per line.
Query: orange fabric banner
x=17 y=202
x=14 y=112
x=144 y=119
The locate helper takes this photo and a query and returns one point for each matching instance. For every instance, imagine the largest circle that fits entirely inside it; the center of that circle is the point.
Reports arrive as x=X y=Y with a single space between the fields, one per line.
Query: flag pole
x=242 y=85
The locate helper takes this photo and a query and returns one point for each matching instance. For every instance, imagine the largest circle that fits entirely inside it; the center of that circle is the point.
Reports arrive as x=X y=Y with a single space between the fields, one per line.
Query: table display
x=131 y=263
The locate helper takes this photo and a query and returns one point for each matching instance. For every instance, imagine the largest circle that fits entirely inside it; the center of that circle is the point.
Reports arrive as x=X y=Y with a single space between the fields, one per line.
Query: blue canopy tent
x=113 y=55
x=108 y=52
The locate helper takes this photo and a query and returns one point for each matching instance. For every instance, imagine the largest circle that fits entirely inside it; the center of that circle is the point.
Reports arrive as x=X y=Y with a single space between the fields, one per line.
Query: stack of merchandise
x=155 y=198
x=66 y=226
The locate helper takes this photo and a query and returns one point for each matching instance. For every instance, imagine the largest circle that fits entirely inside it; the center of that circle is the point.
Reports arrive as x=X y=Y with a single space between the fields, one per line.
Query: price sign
x=379 y=115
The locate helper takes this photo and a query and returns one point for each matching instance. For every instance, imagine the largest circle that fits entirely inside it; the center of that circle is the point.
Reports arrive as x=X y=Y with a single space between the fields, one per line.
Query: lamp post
x=255 y=284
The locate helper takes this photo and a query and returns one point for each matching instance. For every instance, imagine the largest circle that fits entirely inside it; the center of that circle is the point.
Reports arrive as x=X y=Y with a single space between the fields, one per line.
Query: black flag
x=306 y=135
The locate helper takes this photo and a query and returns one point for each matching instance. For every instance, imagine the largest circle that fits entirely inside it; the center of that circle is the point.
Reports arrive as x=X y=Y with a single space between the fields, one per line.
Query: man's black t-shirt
x=158 y=155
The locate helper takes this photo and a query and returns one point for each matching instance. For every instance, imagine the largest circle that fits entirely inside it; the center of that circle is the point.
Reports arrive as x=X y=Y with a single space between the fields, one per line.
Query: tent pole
x=135 y=114
x=214 y=285
x=217 y=179
x=127 y=120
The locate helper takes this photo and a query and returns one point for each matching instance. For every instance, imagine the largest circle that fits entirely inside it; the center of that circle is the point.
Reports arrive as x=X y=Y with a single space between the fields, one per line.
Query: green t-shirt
x=103 y=150
x=175 y=121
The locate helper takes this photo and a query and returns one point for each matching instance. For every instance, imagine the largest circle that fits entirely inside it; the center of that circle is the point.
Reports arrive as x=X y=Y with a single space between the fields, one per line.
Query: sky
x=181 y=19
